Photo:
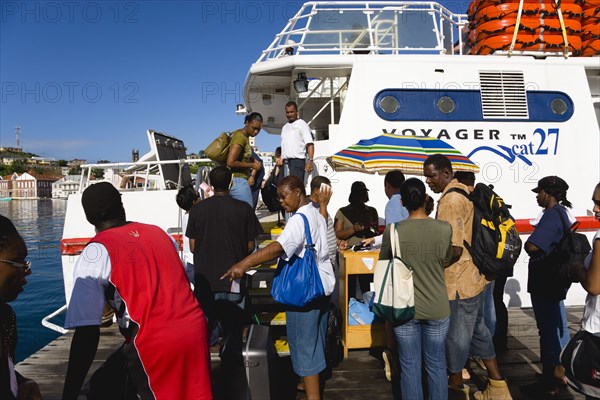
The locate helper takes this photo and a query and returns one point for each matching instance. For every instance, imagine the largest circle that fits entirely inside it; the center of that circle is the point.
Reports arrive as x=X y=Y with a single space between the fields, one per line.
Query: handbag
x=218 y=149
x=581 y=359
x=394 y=298
x=297 y=281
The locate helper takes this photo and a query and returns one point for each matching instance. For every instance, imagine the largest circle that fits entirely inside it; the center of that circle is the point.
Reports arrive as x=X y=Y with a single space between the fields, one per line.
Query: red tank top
x=171 y=340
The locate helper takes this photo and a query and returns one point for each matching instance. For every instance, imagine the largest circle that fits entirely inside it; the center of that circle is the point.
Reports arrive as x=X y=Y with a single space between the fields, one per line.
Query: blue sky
x=86 y=79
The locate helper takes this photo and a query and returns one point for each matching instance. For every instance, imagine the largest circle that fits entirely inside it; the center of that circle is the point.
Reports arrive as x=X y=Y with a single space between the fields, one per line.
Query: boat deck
x=360 y=376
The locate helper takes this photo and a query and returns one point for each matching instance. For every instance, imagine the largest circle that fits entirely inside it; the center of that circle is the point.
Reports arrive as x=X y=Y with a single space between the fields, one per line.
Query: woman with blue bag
x=306 y=325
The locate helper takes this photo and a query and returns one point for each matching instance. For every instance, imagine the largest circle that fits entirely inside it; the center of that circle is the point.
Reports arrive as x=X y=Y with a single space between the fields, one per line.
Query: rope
x=516 y=32
x=564 y=30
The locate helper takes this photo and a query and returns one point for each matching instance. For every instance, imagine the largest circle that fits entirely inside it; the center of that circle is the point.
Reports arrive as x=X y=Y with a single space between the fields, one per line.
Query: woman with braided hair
x=13 y=270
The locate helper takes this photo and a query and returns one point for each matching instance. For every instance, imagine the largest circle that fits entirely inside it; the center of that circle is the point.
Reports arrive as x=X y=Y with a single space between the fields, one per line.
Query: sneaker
x=455 y=393
x=540 y=390
x=495 y=390
x=387 y=363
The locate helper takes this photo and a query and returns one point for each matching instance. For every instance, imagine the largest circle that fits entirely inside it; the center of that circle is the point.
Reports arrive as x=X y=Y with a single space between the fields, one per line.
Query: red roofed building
x=6 y=185
x=32 y=185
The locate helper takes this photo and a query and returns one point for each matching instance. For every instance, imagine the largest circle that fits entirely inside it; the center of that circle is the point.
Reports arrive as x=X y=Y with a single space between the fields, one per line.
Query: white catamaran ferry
x=359 y=69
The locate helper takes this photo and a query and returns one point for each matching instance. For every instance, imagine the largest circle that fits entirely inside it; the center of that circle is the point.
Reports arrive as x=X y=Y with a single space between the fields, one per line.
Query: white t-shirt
x=188 y=256
x=591 y=313
x=294 y=138
x=90 y=274
x=293 y=239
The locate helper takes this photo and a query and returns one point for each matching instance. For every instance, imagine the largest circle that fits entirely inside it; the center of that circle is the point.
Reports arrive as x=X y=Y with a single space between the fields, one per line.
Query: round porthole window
x=389 y=104
x=559 y=106
x=446 y=104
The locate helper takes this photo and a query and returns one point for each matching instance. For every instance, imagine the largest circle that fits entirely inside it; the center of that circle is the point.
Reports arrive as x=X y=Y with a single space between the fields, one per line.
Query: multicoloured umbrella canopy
x=406 y=153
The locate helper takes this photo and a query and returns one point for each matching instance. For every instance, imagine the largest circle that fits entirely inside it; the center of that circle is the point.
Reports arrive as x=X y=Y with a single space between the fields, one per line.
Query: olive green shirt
x=245 y=155
x=425 y=246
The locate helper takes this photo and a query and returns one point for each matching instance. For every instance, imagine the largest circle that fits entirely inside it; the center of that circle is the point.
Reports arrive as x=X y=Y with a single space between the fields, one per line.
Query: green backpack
x=218 y=149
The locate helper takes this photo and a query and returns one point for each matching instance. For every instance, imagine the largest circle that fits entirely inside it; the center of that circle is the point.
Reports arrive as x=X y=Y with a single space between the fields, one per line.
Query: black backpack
x=572 y=248
x=581 y=359
x=495 y=244
x=269 y=192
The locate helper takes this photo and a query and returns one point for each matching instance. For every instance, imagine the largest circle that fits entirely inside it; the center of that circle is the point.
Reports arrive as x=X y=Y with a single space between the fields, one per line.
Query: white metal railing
x=377 y=27
x=148 y=170
x=47 y=324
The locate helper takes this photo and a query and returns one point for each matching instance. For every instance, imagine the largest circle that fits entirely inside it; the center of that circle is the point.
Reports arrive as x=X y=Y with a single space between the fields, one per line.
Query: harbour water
x=40 y=222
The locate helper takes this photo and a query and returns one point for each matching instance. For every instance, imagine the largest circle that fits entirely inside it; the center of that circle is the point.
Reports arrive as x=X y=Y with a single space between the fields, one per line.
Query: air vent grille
x=503 y=94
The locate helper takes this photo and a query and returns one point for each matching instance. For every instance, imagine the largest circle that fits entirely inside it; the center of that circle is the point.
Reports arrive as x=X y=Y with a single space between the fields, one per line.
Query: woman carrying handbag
x=306 y=326
x=425 y=248
x=239 y=158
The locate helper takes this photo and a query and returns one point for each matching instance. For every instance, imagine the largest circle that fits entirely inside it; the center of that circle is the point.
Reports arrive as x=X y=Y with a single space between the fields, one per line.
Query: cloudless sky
x=86 y=79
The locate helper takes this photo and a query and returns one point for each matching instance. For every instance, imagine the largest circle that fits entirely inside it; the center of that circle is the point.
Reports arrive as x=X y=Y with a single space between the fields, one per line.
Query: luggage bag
x=249 y=363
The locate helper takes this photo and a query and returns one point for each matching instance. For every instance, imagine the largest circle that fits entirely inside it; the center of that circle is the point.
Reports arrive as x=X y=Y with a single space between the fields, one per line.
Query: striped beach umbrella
x=406 y=153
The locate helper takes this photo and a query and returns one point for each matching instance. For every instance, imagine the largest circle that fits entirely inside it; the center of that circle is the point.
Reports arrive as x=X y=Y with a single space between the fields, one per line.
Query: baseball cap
x=551 y=185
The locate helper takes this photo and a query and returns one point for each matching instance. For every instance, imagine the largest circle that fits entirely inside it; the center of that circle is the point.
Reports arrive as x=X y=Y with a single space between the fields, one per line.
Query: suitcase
x=249 y=363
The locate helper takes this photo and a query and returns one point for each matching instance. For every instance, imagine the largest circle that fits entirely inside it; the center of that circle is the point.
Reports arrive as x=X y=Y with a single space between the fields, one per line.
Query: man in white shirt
x=297 y=148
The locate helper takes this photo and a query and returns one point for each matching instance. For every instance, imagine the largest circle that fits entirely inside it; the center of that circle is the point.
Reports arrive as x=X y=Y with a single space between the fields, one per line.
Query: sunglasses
x=25 y=266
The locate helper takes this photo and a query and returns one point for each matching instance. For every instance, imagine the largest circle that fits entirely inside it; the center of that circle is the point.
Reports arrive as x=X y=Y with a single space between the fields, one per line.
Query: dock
x=359 y=376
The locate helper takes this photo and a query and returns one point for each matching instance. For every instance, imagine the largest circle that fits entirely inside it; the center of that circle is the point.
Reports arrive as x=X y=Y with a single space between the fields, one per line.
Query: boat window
x=558 y=106
x=348 y=30
x=404 y=29
x=344 y=30
x=446 y=104
x=449 y=41
x=389 y=104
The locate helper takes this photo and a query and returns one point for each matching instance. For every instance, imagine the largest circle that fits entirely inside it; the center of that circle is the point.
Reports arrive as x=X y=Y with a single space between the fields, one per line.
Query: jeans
x=551 y=320
x=489 y=308
x=423 y=339
x=240 y=190
x=295 y=166
x=467 y=334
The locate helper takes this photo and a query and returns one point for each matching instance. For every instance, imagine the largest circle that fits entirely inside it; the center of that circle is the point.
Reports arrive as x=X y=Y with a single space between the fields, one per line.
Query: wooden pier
x=360 y=376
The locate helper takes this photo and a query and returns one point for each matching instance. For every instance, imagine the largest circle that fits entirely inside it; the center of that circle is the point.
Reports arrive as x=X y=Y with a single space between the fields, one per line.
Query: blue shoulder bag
x=297 y=281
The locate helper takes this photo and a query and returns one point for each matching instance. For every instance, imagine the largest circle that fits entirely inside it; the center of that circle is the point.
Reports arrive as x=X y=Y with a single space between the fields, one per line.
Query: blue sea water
x=40 y=222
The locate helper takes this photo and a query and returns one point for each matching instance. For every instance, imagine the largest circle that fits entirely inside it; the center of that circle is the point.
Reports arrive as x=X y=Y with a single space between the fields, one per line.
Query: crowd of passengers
x=172 y=318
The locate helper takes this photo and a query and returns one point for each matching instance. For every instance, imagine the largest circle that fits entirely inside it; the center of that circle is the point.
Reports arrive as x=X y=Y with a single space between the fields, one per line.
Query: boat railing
x=140 y=175
x=47 y=324
x=379 y=27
